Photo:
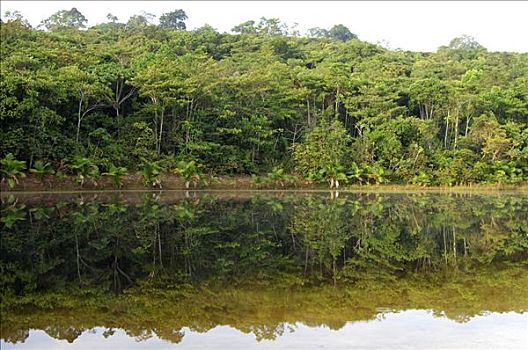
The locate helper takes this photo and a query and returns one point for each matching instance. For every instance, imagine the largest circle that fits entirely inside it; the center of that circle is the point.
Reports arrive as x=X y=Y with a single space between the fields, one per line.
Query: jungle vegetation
x=118 y=97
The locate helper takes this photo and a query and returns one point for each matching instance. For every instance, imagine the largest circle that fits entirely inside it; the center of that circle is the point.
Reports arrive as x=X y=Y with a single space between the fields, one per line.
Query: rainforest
x=117 y=99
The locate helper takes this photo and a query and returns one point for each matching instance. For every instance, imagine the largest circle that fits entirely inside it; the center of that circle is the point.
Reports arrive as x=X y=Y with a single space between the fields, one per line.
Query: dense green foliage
x=11 y=170
x=118 y=93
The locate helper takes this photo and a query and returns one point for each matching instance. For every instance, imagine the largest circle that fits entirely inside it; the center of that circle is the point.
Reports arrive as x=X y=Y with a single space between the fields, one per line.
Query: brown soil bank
x=173 y=182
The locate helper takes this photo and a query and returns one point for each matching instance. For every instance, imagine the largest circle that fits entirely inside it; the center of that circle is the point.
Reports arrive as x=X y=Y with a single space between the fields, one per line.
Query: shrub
x=42 y=169
x=116 y=173
x=421 y=179
x=12 y=169
x=151 y=171
x=333 y=174
x=189 y=171
x=83 y=168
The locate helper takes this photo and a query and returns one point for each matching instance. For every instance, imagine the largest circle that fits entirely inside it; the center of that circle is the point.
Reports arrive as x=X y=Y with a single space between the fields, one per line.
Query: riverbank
x=134 y=182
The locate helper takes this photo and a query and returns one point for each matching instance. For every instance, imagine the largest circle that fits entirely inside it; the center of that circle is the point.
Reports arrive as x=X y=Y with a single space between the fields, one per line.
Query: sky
x=407 y=25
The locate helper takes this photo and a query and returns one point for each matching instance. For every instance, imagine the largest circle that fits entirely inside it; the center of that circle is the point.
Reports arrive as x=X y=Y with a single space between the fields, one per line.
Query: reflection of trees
x=321 y=228
x=421 y=251
x=64 y=333
x=268 y=312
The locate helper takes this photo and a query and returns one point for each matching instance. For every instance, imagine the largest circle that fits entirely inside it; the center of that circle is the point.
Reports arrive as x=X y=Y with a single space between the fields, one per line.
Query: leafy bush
x=333 y=174
x=255 y=179
x=116 y=173
x=277 y=176
x=354 y=173
x=12 y=169
x=421 y=179
x=190 y=171
x=373 y=174
x=503 y=172
x=151 y=171
x=42 y=169
x=84 y=169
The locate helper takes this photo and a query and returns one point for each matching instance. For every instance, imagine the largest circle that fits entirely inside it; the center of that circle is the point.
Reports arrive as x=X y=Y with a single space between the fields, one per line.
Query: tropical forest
x=264 y=102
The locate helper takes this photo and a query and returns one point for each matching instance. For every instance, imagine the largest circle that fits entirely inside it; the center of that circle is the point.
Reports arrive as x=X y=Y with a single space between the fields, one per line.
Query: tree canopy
x=65 y=19
x=244 y=103
x=174 y=19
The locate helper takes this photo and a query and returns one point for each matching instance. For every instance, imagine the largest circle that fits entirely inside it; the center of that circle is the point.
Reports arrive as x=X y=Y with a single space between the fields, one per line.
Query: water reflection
x=168 y=266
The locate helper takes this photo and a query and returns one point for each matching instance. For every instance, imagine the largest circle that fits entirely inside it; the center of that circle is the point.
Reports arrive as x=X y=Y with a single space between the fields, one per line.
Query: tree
x=266 y=26
x=157 y=82
x=324 y=147
x=112 y=18
x=140 y=21
x=317 y=32
x=65 y=19
x=464 y=42
x=271 y=26
x=337 y=32
x=340 y=32
x=247 y=27
x=429 y=95
x=16 y=16
x=115 y=76
x=175 y=20
x=490 y=138
x=87 y=90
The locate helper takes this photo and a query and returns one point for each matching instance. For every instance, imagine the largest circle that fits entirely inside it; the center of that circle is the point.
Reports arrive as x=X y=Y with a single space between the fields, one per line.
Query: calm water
x=267 y=270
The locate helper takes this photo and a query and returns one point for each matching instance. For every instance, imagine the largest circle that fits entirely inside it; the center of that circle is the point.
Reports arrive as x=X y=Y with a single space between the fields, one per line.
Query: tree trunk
x=336 y=114
x=308 y=110
x=79 y=120
x=456 y=132
x=446 y=130
x=161 y=129
x=468 y=118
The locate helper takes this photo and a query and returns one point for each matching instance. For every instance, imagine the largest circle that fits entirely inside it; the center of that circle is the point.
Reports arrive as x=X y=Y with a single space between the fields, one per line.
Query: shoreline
x=134 y=183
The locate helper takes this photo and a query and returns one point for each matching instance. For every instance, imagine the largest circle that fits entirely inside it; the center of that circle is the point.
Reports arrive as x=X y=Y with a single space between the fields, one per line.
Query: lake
x=264 y=270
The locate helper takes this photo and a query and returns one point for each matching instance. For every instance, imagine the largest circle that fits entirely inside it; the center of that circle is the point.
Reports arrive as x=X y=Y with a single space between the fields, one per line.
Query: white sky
x=409 y=25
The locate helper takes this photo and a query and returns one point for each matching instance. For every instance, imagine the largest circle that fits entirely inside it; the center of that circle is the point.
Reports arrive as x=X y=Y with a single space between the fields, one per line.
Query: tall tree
x=340 y=32
x=174 y=19
x=65 y=19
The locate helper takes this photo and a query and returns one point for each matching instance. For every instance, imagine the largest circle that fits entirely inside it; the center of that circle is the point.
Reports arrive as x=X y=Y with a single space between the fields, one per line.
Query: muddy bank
x=134 y=182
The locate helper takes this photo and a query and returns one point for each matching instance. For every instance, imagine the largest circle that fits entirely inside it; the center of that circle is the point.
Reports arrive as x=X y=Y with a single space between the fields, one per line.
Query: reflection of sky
x=415 y=329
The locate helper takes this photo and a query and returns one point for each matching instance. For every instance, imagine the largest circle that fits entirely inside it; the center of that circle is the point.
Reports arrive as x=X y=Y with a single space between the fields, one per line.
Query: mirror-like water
x=267 y=270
